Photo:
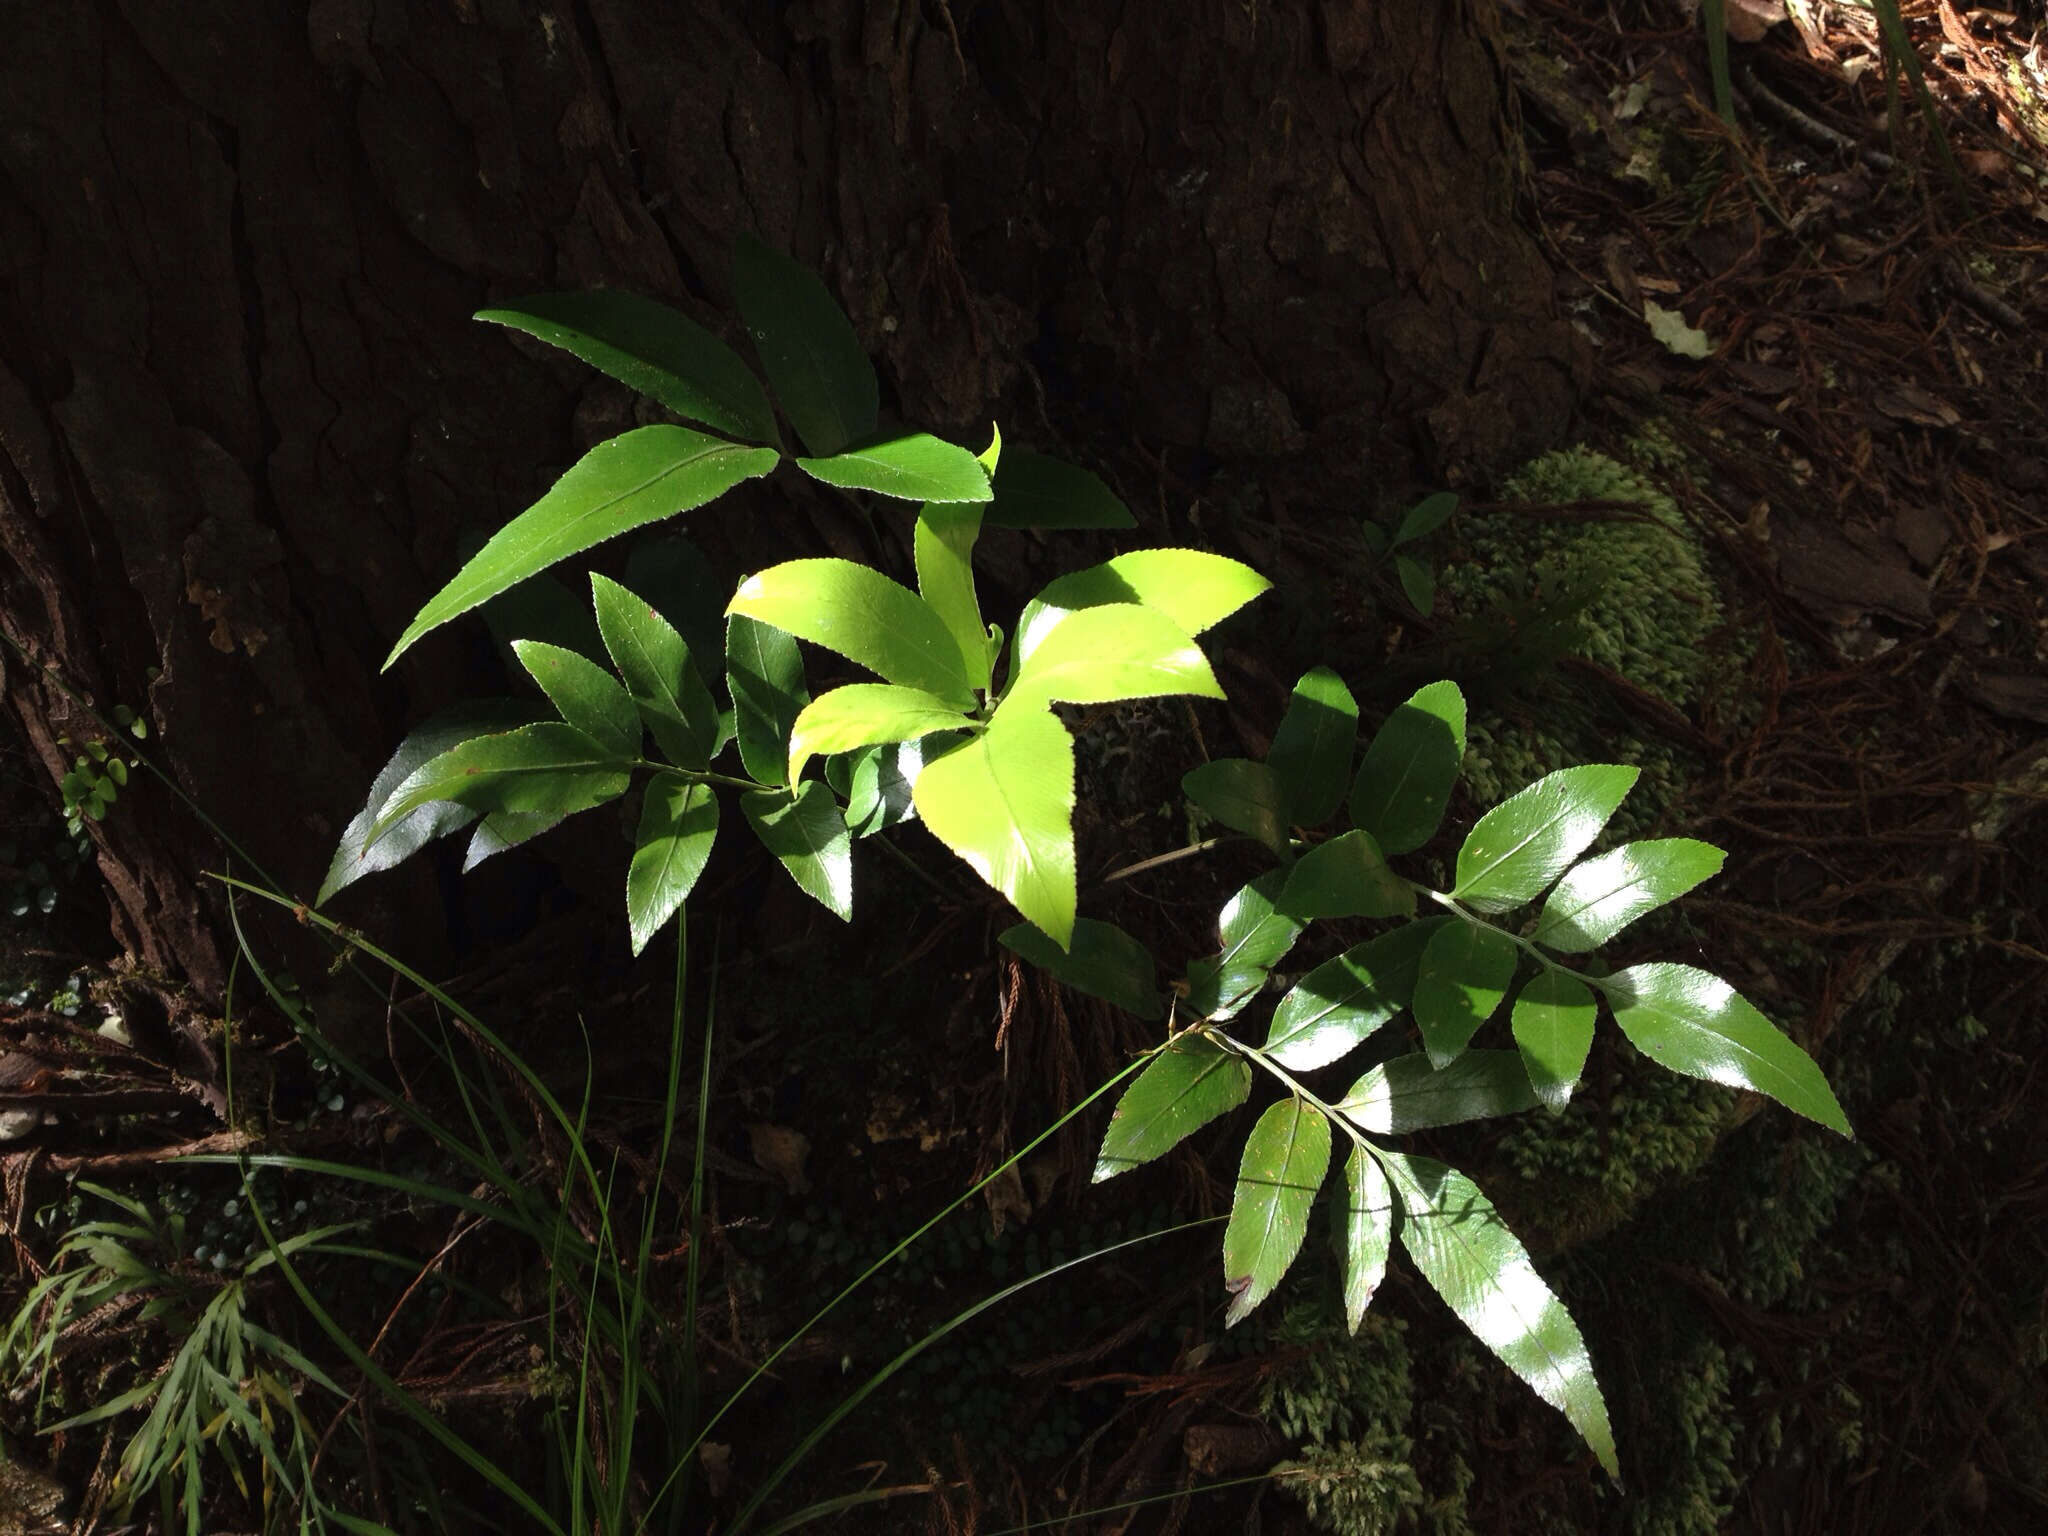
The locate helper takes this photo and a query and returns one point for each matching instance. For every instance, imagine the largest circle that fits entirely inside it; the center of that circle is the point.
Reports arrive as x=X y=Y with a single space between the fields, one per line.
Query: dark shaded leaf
x=1034 y=490
x=1410 y=1093
x=809 y=836
x=1312 y=749
x=649 y=348
x=678 y=821
x=765 y=673
x=1553 y=1022
x=1346 y=877
x=1285 y=1159
x=1406 y=777
x=1242 y=795
x=815 y=363
x=1188 y=1084
x=1104 y=962
x=1465 y=972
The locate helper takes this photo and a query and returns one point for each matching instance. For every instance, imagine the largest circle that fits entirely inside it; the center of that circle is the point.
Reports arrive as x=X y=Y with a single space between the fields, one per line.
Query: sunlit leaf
x=663 y=682
x=1243 y=795
x=1410 y=1093
x=1191 y=587
x=1104 y=962
x=637 y=477
x=1365 y=1232
x=1406 y=777
x=547 y=767
x=821 y=375
x=1004 y=802
x=1465 y=972
x=678 y=821
x=1693 y=1022
x=1597 y=899
x=1340 y=1002
x=1346 y=877
x=1553 y=1022
x=944 y=545
x=1529 y=839
x=587 y=696
x=1118 y=651
x=1033 y=490
x=1466 y=1252
x=864 y=714
x=1312 y=749
x=765 y=673
x=358 y=854
x=1187 y=1085
x=1255 y=936
x=915 y=467
x=653 y=350
x=865 y=617
x=808 y=834
x=1285 y=1158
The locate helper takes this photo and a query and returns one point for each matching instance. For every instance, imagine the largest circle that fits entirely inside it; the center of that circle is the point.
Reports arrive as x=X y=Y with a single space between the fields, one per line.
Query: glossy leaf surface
x=587 y=696
x=1004 y=802
x=1365 y=1232
x=1597 y=899
x=865 y=617
x=1035 y=490
x=1553 y=1021
x=1285 y=1159
x=1346 y=877
x=1185 y=1086
x=546 y=767
x=1193 y=588
x=1465 y=972
x=1255 y=936
x=1118 y=651
x=660 y=677
x=1693 y=1022
x=635 y=478
x=652 y=350
x=358 y=853
x=678 y=822
x=1312 y=749
x=943 y=542
x=1409 y=1093
x=1104 y=962
x=915 y=467
x=808 y=834
x=1242 y=795
x=1406 y=777
x=765 y=673
x=807 y=346
x=863 y=715
x=1520 y=846
x=1336 y=1005
x=1468 y=1255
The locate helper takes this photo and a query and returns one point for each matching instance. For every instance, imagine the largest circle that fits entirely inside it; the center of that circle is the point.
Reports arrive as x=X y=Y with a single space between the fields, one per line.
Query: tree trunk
x=244 y=417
